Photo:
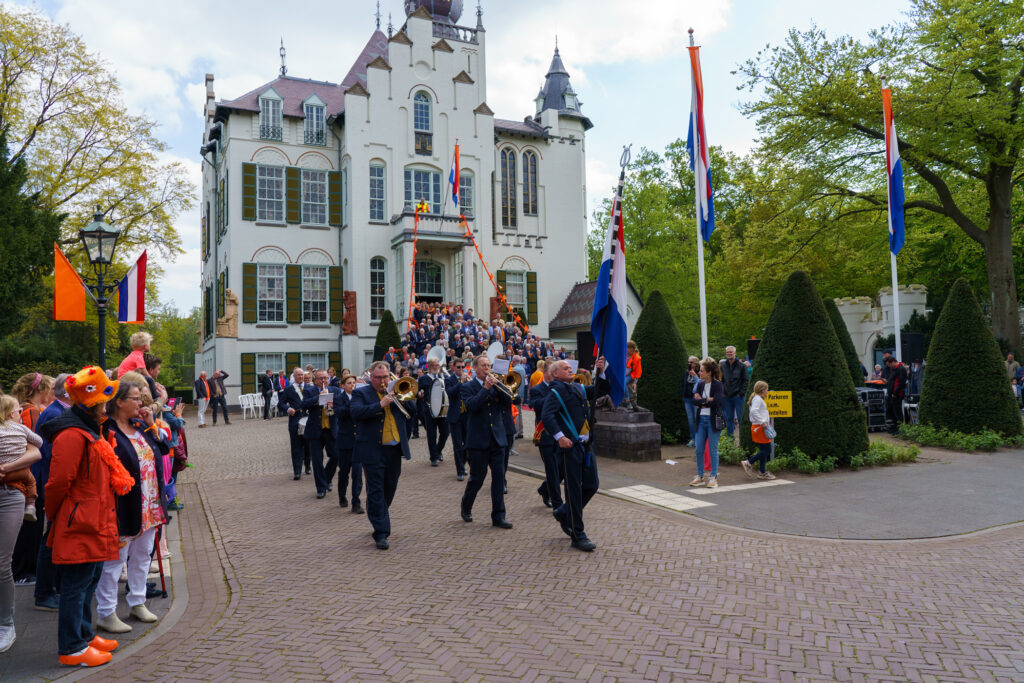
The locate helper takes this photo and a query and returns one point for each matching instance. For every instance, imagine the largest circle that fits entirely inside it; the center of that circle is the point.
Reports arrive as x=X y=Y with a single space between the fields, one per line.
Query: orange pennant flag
x=68 y=289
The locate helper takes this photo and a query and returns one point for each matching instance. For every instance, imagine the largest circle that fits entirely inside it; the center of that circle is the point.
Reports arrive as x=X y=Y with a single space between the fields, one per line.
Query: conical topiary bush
x=664 y=361
x=965 y=385
x=849 y=352
x=800 y=352
x=387 y=333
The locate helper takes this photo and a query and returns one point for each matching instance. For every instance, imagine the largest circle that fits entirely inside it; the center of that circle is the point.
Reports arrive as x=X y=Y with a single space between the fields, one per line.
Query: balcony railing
x=431 y=226
x=315 y=137
x=270 y=132
x=453 y=32
x=424 y=144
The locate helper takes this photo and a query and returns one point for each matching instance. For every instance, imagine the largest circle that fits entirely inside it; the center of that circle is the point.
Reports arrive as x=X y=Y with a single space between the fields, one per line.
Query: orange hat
x=90 y=386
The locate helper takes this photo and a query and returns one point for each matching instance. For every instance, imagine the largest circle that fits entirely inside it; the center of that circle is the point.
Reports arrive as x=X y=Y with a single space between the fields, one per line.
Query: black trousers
x=551 y=487
x=346 y=467
x=299 y=447
x=437 y=435
x=459 y=446
x=266 y=405
x=894 y=408
x=381 y=484
x=480 y=460
x=580 y=485
x=223 y=403
x=316 y=448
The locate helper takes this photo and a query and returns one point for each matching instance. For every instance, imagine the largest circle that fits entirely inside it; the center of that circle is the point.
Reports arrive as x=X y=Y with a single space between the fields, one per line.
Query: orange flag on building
x=68 y=289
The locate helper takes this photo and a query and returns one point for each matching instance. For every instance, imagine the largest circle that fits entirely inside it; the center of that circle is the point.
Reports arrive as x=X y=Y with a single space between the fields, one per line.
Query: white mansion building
x=309 y=188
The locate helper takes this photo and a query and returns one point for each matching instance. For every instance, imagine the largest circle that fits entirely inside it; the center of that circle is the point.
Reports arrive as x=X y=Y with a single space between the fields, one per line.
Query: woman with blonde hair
x=761 y=431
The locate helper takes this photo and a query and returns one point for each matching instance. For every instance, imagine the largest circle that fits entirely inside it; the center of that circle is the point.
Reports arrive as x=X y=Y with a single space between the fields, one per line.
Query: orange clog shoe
x=104 y=644
x=90 y=657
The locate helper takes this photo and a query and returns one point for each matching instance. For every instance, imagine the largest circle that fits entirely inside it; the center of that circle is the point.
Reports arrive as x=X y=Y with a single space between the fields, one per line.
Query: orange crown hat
x=90 y=386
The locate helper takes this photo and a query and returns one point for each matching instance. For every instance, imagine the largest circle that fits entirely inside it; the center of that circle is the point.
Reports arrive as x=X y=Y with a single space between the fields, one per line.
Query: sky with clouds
x=627 y=60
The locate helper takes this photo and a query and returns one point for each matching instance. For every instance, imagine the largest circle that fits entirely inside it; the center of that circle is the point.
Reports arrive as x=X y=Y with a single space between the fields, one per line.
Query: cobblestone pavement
x=282 y=586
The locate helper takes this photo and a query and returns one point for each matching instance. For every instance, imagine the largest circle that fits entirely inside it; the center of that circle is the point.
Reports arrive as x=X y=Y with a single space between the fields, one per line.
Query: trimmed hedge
x=387 y=332
x=800 y=352
x=839 y=325
x=965 y=385
x=664 y=361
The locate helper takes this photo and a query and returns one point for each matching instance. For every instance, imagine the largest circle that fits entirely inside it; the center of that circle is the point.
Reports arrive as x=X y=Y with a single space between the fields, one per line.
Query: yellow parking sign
x=780 y=403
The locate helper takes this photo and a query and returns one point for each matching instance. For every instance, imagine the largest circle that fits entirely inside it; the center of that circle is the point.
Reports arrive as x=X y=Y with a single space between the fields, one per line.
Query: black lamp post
x=99 y=240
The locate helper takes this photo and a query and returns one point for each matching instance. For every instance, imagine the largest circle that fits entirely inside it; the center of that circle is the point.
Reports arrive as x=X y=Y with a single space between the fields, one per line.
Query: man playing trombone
x=486 y=439
x=381 y=443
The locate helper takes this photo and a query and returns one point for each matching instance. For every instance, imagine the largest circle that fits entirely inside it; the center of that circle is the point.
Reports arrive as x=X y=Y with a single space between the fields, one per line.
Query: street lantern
x=99 y=239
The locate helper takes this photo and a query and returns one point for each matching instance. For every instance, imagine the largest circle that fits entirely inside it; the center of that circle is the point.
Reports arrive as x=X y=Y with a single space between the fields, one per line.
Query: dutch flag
x=453 y=179
x=131 y=294
x=893 y=175
x=696 y=143
x=608 y=324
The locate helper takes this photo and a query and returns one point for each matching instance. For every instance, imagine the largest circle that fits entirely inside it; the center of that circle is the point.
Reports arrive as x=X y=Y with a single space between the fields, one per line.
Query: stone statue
x=227 y=325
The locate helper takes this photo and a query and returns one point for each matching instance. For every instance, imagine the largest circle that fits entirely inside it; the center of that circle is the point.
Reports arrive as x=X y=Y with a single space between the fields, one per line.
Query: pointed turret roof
x=556 y=88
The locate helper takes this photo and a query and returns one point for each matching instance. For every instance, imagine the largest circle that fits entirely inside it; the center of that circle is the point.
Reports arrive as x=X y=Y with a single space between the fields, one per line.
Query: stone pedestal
x=625 y=435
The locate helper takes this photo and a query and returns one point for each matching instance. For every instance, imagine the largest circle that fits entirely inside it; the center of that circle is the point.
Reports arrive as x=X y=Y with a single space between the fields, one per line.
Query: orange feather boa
x=120 y=481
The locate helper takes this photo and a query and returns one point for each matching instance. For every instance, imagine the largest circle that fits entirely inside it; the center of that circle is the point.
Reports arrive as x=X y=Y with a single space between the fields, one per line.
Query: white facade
x=867 y=322
x=305 y=197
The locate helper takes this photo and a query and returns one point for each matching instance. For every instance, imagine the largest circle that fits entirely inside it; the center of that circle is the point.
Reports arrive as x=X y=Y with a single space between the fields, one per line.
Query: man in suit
x=266 y=391
x=332 y=378
x=345 y=443
x=486 y=440
x=381 y=443
x=290 y=400
x=437 y=428
x=218 y=395
x=322 y=429
x=569 y=420
x=550 y=489
x=457 y=416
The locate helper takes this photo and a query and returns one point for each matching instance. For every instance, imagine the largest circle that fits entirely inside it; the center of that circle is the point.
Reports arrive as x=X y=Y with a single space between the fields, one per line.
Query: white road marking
x=660 y=497
x=703 y=491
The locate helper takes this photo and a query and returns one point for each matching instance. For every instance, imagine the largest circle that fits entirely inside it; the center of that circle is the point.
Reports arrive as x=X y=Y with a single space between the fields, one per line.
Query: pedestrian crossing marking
x=660 y=497
x=741 y=487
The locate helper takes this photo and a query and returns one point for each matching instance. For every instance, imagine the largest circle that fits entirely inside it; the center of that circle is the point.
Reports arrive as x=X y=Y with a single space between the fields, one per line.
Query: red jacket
x=79 y=498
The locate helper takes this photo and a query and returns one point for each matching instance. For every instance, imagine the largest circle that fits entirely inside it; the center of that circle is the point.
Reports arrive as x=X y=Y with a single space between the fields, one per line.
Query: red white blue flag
x=608 y=324
x=893 y=175
x=696 y=143
x=453 y=178
x=131 y=294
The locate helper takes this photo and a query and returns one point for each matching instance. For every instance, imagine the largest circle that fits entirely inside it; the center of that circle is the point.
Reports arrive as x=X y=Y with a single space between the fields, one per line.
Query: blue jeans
x=764 y=451
x=733 y=408
x=74 y=617
x=691 y=417
x=706 y=434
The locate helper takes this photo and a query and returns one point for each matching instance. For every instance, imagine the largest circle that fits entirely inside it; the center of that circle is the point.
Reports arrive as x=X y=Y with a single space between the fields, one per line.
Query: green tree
x=956 y=71
x=843 y=334
x=664 y=354
x=27 y=234
x=800 y=353
x=965 y=385
x=387 y=333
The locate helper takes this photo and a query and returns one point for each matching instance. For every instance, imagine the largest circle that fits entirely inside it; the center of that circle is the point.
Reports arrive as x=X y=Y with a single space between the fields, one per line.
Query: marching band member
x=486 y=440
x=437 y=428
x=457 y=415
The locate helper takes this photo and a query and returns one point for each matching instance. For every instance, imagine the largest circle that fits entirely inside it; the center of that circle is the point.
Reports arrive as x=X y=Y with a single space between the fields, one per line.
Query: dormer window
x=270 y=116
x=316 y=131
x=540 y=102
x=570 y=100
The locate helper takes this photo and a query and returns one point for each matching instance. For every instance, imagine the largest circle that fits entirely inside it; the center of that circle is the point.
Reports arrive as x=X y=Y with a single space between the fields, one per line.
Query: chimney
x=210 y=106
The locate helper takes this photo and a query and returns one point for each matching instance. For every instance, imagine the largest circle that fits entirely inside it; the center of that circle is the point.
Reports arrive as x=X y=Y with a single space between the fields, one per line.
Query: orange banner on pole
x=68 y=289
x=501 y=295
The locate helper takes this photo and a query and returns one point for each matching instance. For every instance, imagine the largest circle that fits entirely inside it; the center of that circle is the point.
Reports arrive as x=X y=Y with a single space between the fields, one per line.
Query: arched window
x=529 y=184
x=421 y=123
x=378 y=287
x=508 y=188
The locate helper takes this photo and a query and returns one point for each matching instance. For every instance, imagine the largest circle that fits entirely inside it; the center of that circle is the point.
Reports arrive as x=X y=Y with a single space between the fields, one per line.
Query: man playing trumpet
x=486 y=439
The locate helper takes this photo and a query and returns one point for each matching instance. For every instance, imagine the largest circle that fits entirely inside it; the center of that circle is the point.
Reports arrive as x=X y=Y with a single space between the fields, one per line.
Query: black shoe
x=343 y=502
x=320 y=494
x=563 y=519
x=226 y=422
x=547 y=501
x=330 y=486
x=153 y=593
x=309 y=470
x=433 y=463
x=504 y=489
x=460 y=477
x=583 y=543
x=382 y=544
x=357 y=509
x=501 y=523
x=296 y=477
x=467 y=517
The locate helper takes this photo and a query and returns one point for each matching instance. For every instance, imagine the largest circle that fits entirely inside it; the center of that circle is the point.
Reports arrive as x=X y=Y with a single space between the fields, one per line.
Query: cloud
x=179 y=284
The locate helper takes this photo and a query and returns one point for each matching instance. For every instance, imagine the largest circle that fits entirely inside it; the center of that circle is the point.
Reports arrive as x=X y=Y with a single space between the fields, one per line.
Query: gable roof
x=578 y=307
x=526 y=127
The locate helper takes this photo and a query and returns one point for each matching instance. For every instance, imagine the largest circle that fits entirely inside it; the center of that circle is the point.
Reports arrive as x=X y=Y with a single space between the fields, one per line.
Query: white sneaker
x=112 y=624
x=142 y=613
x=7 y=637
x=747 y=469
x=697 y=481
x=712 y=483
x=30 y=513
x=766 y=475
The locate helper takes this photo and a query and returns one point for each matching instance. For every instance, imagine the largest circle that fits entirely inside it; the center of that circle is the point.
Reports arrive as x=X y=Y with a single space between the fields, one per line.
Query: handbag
x=717 y=420
x=757 y=434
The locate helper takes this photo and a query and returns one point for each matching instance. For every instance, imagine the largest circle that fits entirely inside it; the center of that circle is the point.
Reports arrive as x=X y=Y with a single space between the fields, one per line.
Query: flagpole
x=898 y=351
x=627 y=153
x=700 y=241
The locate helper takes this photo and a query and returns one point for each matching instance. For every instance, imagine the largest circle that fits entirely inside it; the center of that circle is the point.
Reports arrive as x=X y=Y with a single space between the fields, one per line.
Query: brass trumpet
x=402 y=390
x=582 y=377
x=509 y=384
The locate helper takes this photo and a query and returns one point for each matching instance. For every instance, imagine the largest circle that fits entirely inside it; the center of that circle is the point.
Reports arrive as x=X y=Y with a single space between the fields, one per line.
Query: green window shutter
x=249 y=381
x=291 y=361
x=225 y=191
x=531 y=298
x=220 y=295
x=334 y=361
x=206 y=252
x=500 y=279
x=292 y=194
x=248 y=192
x=221 y=228
x=337 y=294
x=293 y=284
x=250 y=293
x=334 y=198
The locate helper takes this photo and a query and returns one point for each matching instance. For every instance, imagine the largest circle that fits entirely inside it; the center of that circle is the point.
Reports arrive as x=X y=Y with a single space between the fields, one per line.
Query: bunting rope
x=501 y=295
x=421 y=206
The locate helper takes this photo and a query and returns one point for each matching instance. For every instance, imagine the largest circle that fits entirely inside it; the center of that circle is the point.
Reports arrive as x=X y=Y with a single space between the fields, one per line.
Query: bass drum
x=438 y=399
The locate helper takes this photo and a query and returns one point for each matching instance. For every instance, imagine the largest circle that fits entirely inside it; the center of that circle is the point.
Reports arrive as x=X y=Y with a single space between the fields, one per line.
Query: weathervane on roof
x=378 y=15
x=391 y=28
x=284 y=68
x=479 y=15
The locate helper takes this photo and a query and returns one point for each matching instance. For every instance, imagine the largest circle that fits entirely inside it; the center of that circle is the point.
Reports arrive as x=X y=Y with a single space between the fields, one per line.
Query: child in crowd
x=14 y=438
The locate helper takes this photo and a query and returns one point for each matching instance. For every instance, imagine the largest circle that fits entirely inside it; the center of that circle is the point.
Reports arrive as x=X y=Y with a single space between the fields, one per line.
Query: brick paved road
x=290 y=588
